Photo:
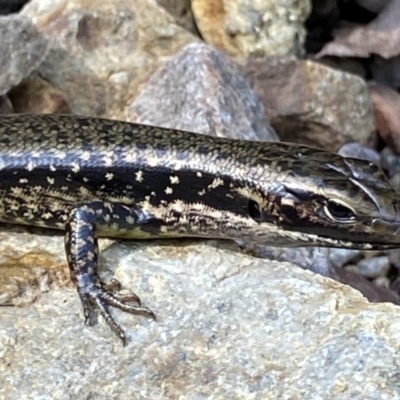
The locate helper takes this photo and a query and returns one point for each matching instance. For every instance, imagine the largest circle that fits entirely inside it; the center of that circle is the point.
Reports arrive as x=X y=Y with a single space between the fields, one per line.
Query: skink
x=94 y=177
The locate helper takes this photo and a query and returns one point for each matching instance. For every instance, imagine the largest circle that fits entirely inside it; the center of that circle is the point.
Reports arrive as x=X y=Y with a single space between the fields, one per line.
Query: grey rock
x=202 y=90
x=394 y=257
x=373 y=267
x=356 y=150
x=315 y=259
x=22 y=50
x=228 y=325
x=390 y=161
x=340 y=257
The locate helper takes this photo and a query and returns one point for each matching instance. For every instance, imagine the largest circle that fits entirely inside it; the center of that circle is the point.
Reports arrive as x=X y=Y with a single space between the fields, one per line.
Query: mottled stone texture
x=104 y=50
x=253 y=28
x=309 y=103
x=229 y=326
x=202 y=90
x=22 y=50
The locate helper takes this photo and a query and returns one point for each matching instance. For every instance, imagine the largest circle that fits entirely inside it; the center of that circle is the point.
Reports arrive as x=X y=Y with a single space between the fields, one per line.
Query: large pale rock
x=202 y=90
x=104 y=50
x=229 y=326
x=22 y=50
x=311 y=103
x=254 y=28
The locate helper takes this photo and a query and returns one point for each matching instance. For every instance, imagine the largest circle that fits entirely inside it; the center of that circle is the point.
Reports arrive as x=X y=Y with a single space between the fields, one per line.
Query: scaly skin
x=93 y=177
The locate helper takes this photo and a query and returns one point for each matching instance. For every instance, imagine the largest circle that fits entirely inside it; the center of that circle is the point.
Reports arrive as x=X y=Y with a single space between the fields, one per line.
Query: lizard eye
x=339 y=212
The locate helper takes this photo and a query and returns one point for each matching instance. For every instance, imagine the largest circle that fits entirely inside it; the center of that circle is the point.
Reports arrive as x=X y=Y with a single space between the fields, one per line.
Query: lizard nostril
x=254 y=211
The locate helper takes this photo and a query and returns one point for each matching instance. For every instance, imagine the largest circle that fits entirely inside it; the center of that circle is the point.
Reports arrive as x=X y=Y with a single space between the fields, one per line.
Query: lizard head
x=322 y=199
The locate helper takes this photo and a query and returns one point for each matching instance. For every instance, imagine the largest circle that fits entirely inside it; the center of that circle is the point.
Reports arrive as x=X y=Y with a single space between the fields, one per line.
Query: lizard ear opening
x=254 y=211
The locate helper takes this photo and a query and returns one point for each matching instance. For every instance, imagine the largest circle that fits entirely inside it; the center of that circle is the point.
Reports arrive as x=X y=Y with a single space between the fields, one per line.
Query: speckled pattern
x=92 y=177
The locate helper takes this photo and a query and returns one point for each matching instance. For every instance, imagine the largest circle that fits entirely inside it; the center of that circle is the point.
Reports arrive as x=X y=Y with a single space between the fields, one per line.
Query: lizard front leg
x=82 y=255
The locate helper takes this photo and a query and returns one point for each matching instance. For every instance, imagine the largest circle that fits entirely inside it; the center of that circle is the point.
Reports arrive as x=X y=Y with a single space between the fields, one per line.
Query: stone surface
x=340 y=257
x=316 y=259
x=229 y=326
x=182 y=12
x=202 y=90
x=356 y=150
x=103 y=51
x=373 y=267
x=309 y=103
x=386 y=104
x=22 y=50
x=5 y=105
x=394 y=257
x=381 y=36
x=36 y=96
x=376 y=294
x=390 y=162
x=254 y=28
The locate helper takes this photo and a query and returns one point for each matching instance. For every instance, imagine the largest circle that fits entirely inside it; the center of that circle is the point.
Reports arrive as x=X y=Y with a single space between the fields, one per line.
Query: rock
x=386 y=103
x=182 y=12
x=36 y=96
x=382 y=281
x=356 y=150
x=381 y=36
x=209 y=300
x=373 y=267
x=246 y=29
x=340 y=257
x=374 y=293
x=103 y=51
x=22 y=50
x=314 y=259
x=395 y=181
x=390 y=161
x=394 y=257
x=310 y=103
x=5 y=105
x=202 y=90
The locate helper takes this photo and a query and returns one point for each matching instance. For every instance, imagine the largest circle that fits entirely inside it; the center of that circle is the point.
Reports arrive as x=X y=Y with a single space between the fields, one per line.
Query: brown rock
x=202 y=90
x=22 y=50
x=37 y=96
x=103 y=51
x=386 y=106
x=381 y=36
x=310 y=103
x=245 y=28
x=373 y=293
